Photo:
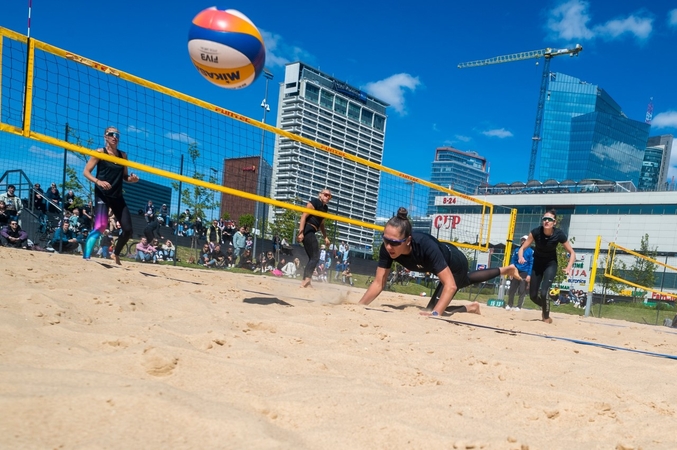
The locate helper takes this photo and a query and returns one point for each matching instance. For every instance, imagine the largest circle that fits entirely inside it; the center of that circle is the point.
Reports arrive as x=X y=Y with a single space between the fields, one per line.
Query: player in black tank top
x=308 y=226
x=543 y=272
x=108 y=191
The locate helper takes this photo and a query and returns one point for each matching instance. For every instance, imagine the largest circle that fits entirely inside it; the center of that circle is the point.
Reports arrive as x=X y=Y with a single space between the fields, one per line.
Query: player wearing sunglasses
x=108 y=192
x=308 y=226
x=422 y=252
x=546 y=237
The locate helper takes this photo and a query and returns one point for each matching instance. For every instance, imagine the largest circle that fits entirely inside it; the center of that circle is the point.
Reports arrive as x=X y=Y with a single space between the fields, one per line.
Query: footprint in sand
x=158 y=364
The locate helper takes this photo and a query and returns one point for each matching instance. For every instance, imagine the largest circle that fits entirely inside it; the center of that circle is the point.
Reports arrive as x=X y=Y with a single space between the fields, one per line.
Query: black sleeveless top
x=316 y=221
x=113 y=174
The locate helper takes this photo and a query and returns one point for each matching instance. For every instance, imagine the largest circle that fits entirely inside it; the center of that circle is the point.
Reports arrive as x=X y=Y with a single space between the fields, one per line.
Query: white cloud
x=666 y=119
x=181 y=137
x=279 y=53
x=640 y=27
x=570 y=21
x=43 y=153
x=462 y=138
x=133 y=129
x=672 y=18
x=500 y=133
x=392 y=89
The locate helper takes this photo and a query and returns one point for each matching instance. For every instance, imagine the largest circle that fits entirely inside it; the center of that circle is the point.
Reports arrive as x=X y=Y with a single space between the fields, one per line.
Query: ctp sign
x=446 y=221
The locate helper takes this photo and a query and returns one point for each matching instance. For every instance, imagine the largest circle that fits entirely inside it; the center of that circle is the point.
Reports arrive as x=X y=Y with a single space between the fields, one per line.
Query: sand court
x=154 y=356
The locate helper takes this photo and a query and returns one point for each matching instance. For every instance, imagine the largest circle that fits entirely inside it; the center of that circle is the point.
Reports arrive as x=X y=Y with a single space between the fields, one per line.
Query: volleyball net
x=640 y=274
x=55 y=106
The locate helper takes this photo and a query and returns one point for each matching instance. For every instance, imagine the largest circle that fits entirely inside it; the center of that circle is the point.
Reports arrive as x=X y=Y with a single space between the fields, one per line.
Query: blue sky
x=406 y=55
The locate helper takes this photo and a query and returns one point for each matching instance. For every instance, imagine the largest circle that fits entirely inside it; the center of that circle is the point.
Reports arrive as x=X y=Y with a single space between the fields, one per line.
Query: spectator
x=4 y=217
x=38 y=200
x=14 y=236
x=276 y=243
x=230 y=257
x=75 y=220
x=69 y=201
x=520 y=286
x=239 y=241
x=269 y=262
x=249 y=243
x=168 y=251
x=164 y=214
x=292 y=268
x=217 y=258
x=347 y=276
x=105 y=244
x=228 y=232
x=64 y=239
x=13 y=203
x=86 y=216
x=152 y=230
x=149 y=213
x=53 y=198
x=213 y=234
x=205 y=255
x=145 y=252
x=246 y=260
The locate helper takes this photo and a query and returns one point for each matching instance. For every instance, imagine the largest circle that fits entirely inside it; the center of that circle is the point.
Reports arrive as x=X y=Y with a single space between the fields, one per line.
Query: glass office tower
x=654 y=174
x=586 y=135
x=317 y=106
x=457 y=170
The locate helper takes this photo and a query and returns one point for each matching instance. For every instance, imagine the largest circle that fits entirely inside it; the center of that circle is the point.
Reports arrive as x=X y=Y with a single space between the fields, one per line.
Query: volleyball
x=226 y=48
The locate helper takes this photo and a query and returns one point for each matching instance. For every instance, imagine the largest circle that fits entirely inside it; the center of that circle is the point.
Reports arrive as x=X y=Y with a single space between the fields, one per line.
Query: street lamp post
x=266 y=107
x=411 y=196
x=216 y=180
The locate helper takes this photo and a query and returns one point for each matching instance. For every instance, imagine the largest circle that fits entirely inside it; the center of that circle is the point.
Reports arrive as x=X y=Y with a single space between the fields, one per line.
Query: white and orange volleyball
x=226 y=48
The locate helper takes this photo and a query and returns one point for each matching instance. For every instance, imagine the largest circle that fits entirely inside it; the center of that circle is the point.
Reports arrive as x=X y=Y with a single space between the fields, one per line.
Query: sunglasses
x=548 y=219
x=113 y=134
x=14 y=223
x=394 y=242
x=326 y=195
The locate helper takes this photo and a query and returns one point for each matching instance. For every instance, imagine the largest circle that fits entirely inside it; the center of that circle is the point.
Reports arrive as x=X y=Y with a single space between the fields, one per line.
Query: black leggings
x=462 y=278
x=542 y=276
x=312 y=250
x=122 y=215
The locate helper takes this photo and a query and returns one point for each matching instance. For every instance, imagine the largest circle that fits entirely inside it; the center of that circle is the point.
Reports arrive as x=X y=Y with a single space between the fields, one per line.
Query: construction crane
x=548 y=54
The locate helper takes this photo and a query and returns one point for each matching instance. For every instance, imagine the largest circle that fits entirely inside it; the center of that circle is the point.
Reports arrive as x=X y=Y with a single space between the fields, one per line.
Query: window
x=340 y=105
x=353 y=111
x=326 y=99
x=367 y=117
x=312 y=93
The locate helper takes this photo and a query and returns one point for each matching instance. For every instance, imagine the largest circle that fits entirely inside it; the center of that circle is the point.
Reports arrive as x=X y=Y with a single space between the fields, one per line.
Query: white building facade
x=319 y=107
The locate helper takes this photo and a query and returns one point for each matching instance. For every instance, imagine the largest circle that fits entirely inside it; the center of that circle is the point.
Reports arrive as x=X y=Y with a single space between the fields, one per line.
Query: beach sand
x=151 y=356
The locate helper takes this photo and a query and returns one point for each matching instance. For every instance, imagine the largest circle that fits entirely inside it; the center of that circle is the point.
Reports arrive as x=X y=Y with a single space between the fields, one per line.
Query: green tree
x=82 y=189
x=285 y=225
x=618 y=267
x=196 y=198
x=247 y=220
x=643 y=271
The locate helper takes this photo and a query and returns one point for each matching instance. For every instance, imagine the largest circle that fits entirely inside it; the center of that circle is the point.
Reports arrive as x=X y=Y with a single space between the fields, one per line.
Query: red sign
x=249 y=169
x=446 y=221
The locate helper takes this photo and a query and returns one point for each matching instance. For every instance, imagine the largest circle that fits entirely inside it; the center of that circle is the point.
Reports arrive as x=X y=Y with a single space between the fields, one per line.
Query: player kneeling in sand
x=423 y=253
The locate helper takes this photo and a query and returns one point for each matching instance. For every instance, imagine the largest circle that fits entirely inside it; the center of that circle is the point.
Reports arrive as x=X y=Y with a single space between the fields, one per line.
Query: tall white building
x=317 y=106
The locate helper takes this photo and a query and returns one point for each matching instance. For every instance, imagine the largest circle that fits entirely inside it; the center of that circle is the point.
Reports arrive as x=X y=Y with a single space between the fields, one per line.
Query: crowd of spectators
x=226 y=245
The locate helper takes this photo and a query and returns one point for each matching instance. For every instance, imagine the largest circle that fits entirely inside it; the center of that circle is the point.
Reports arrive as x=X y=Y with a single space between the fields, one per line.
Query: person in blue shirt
x=520 y=286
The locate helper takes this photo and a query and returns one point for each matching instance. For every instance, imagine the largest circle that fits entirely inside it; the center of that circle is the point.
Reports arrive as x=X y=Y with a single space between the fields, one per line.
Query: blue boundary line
x=575 y=341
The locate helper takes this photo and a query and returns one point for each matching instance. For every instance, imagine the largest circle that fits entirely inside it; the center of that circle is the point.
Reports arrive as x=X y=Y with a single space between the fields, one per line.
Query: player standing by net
x=546 y=237
x=423 y=253
x=108 y=192
x=308 y=226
